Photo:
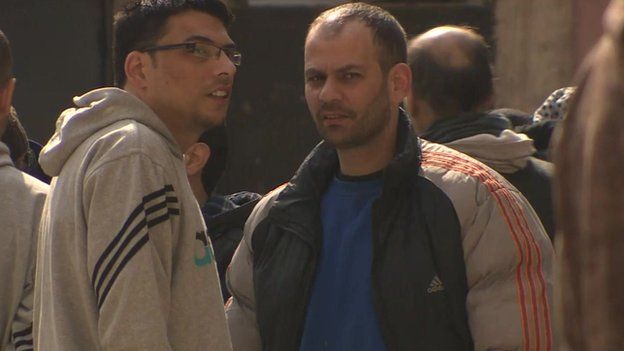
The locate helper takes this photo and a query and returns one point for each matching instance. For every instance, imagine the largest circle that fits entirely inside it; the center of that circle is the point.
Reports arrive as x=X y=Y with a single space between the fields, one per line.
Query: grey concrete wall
x=587 y=26
x=535 y=50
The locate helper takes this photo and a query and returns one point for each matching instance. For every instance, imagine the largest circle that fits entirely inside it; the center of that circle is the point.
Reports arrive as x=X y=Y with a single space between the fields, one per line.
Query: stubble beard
x=366 y=127
x=207 y=123
x=207 y=120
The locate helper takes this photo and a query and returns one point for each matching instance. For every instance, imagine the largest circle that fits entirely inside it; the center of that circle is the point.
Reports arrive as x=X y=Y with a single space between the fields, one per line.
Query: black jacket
x=225 y=218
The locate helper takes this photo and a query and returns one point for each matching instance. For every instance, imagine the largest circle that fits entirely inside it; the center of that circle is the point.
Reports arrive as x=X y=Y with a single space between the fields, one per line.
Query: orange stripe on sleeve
x=525 y=244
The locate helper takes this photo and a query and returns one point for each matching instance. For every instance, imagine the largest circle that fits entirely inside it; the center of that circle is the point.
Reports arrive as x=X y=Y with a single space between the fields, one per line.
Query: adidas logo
x=435 y=285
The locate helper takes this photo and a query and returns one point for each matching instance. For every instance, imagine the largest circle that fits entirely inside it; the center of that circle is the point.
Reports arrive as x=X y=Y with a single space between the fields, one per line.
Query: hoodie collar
x=448 y=129
x=486 y=137
x=506 y=153
x=94 y=111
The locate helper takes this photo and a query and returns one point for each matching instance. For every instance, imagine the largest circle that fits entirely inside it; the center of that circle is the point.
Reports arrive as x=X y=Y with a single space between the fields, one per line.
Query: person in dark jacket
x=225 y=215
x=383 y=241
x=546 y=119
x=540 y=132
x=452 y=92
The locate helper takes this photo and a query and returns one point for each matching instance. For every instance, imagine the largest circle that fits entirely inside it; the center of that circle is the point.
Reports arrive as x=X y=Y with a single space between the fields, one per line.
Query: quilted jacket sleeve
x=507 y=253
x=241 y=307
x=508 y=262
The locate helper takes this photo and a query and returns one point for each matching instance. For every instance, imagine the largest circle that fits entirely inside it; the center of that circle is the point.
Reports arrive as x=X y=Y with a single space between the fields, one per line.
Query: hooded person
x=126 y=263
x=21 y=202
x=452 y=92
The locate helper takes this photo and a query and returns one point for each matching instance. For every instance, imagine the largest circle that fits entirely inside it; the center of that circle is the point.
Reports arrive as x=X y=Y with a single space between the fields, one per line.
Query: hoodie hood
x=506 y=153
x=94 y=111
x=5 y=155
x=449 y=129
x=485 y=136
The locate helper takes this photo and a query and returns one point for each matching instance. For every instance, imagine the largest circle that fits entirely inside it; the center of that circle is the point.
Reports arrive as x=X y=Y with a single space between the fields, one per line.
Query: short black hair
x=388 y=34
x=6 y=59
x=452 y=90
x=216 y=139
x=141 y=23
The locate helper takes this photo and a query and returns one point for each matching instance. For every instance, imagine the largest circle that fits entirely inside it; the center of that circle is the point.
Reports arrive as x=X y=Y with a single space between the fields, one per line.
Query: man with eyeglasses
x=126 y=263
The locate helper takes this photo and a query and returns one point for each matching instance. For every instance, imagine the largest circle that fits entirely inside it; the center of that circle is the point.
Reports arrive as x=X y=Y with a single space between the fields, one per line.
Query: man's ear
x=195 y=158
x=399 y=82
x=134 y=67
x=6 y=97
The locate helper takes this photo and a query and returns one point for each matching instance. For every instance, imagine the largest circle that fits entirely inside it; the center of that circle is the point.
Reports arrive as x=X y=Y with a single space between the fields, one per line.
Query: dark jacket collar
x=230 y=211
x=305 y=189
x=464 y=126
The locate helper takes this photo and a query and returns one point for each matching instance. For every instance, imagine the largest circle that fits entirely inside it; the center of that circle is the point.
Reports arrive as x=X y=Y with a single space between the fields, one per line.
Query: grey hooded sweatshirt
x=124 y=262
x=21 y=201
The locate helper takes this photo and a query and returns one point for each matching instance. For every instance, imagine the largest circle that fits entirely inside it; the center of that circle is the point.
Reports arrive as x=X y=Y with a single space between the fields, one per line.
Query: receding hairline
x=332 y=27
x=459 y=31
x=329 y=30
x=451 y=46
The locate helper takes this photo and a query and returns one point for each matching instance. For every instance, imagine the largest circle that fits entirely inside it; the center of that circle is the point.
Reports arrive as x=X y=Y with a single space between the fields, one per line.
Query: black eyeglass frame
x=232 y=54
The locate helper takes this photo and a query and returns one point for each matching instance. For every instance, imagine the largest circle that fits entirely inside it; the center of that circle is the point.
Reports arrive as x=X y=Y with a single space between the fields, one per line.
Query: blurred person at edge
x=590 y=197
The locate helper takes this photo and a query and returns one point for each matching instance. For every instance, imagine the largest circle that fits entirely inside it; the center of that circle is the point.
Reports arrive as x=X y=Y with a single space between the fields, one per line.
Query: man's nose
x=330 y=91
x=226 y=66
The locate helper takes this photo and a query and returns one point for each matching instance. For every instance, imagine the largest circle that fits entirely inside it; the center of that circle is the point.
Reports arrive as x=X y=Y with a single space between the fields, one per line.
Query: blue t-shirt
x=340 y=314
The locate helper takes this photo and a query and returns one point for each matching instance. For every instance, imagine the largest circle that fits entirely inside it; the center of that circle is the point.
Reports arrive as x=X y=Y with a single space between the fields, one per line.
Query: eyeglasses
x=203 y=50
